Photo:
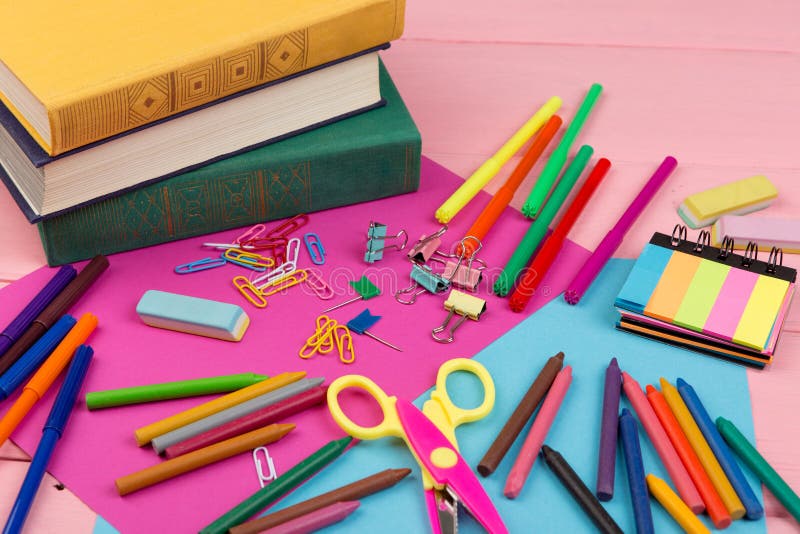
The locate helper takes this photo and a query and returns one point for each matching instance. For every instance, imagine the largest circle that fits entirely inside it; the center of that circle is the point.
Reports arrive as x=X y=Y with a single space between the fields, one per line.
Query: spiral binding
x=750 y=254
x=772 y=261
x=703 y=241
x=727 y=248
x=680 y=230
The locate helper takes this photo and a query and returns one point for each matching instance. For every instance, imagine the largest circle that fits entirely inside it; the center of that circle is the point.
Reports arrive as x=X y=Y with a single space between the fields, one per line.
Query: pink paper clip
x=287 y=227
x=252 y=233
x=249 y=292
x=318 y=285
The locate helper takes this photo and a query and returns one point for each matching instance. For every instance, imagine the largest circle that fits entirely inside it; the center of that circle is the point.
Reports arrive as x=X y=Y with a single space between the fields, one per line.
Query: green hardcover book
x=372 y=155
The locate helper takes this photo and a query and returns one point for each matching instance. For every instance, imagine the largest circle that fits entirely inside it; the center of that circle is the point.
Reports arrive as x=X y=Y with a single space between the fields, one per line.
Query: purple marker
x=614 y=237
x=608 y=432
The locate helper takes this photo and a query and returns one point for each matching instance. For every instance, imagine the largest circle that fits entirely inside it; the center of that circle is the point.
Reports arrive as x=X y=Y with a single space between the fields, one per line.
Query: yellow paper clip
x=344 y=343
x=461 y=304
x=322 y=340
x=249 y=292
x=318 y=285
x=251 y=260
x=284 y=282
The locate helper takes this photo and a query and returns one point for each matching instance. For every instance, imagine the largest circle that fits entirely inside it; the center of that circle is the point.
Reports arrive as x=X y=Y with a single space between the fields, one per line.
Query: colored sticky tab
x=643 y=278
x=668 y=294
x=365 y=288
x=701 y=295
x=759 y=315
x=730 y=304
x=362 y=322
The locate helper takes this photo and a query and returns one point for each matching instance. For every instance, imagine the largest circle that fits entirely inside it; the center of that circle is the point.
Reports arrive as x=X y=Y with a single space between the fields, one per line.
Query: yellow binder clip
x=461 y=304
x=249 y=291
x=284 y=282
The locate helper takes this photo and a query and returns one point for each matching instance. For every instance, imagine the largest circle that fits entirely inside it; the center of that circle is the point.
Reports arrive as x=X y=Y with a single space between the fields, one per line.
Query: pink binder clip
x=462 y=274
x=426 y=247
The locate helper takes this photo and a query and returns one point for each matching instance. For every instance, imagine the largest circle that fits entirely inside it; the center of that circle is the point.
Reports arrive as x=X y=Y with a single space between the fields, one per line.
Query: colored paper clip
x=293 y=251
x=251 y=233
x=284 y=282
x=289 y=226
x=461 y=304
x=464 y=275
x=315 y=249
x=422 y=275
x=275 y=246
x=376 y=237
x=200 y=265
x=223 y=246
x=344 y=343
x=250 y=260
x=321 y=340
x=427 y=246
x=318 y=285
x=250 y=292
x=280 y=271
x=272 y=474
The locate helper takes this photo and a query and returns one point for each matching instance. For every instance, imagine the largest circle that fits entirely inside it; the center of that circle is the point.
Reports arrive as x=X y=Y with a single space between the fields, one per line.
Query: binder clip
x=328 y=336
x=250 y=260
x=250 y=292
x=461 y=304
x=364 y=320
x=318 y=285
x=464 y=275
x=376 y=237
x=315 y=249
x=427 y=246
x=272 y=474
x=422 y=275
x=365 y=289
x=200 y=265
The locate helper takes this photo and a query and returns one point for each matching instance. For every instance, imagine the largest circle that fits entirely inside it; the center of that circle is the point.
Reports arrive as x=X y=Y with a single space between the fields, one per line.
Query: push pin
x=365 y=289
x=376 y=237
x=364 y=320
x=427 y=246
x=461 y=304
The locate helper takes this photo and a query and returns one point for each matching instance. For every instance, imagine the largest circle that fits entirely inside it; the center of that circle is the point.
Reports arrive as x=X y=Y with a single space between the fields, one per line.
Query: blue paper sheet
x=587 y=336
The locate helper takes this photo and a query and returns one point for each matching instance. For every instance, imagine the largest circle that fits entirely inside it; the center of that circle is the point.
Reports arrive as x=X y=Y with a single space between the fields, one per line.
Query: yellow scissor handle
x=390 y=426
x=455 y=414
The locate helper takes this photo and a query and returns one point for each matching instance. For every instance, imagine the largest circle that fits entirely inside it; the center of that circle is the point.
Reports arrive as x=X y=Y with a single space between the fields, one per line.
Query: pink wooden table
x=713 y=83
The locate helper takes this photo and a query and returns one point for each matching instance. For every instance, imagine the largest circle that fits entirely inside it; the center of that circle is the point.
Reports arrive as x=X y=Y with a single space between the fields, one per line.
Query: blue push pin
x=364 y=320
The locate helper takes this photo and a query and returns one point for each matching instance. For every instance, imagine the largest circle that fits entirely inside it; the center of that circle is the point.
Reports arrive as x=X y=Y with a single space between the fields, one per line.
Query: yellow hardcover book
x=77 y=72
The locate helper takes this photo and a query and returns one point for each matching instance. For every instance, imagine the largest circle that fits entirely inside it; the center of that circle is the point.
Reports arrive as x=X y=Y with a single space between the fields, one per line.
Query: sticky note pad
x=643 y=278
x=193 y=315
x=701 y=295
x=668 y=294
x=730 y=304
x=736 y=198
x=766 y=301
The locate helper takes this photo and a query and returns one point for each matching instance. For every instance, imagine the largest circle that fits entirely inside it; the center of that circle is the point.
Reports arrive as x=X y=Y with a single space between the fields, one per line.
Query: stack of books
x=124 y=125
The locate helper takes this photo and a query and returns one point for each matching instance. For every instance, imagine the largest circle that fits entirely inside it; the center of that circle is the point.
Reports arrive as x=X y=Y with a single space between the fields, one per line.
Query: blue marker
x=640 y=497
x=53 y=429
x=753 y=508
x=34 y=356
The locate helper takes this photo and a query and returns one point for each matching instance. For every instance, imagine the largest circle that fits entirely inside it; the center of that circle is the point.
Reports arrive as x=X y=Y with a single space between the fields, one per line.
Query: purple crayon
x=608 y=432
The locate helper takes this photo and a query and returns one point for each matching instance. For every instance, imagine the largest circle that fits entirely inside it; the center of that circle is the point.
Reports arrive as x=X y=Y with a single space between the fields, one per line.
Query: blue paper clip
x=200 y=265
x=315 y=248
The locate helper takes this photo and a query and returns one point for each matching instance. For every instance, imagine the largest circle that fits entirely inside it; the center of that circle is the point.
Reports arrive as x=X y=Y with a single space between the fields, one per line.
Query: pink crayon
x=537 y=434
x=317 y=519
x=658 y=436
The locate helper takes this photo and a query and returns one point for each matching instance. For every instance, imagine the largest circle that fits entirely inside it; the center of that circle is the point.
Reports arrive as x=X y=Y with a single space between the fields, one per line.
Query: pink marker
x=669 y=457
x=537 y=434
x=313 y=521
x=613 y=238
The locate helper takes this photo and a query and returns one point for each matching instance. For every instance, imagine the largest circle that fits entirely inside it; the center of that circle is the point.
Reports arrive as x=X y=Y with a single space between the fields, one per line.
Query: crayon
x=675 y=506
x=608 y=432
x=643 y=515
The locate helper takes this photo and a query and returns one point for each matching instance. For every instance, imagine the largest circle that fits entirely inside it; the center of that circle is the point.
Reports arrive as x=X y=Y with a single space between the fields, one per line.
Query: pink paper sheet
x=99 y=447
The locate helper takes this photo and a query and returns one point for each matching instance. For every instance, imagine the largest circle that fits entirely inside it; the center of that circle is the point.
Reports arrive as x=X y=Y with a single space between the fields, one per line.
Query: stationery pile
x=161 y=134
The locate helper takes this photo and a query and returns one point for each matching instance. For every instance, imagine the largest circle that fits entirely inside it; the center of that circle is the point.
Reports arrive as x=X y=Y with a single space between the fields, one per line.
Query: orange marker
x=503 y=197
x=46 y=375
x=714 y=505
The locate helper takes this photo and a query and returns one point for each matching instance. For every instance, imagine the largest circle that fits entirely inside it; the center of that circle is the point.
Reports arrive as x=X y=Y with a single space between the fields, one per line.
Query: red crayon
x=534 y=274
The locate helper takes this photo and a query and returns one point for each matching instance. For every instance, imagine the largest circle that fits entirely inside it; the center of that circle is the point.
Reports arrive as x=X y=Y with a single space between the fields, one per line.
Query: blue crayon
x=51 y=433
x=640 y=496
x=34 y=356
x=753 y=508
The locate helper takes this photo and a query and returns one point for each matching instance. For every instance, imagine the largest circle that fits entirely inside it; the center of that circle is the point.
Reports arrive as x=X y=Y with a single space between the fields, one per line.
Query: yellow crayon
x=675 y=506
x=491 y=166
x=698 y=442
x=146 y=433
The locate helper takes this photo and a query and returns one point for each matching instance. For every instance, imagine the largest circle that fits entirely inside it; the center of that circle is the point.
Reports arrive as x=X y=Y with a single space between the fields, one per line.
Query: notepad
x=706 y=298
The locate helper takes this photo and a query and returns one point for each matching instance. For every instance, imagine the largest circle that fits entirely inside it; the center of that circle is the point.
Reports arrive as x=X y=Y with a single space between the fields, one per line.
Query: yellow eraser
x=736 y=198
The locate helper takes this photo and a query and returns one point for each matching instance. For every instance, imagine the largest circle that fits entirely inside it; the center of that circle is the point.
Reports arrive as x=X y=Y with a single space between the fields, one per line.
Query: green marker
x=558 y=158
x=759 y=466
x=170 y=390
x=278 y=487
x=538 y=229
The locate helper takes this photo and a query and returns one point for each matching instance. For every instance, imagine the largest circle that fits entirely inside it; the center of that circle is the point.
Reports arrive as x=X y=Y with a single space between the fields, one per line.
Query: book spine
x=200 y=202
x=172 y=91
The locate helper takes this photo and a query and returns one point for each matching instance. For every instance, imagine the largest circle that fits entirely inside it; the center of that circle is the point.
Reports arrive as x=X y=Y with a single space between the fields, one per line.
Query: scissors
x=430 y=435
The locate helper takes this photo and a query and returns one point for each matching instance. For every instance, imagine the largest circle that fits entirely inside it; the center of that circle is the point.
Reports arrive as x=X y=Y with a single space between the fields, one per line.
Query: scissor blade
x=447 y=511
x=425 y=439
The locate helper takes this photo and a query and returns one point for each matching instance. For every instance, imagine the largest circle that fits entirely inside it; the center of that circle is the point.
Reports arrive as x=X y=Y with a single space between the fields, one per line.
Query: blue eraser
x=193 y=315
